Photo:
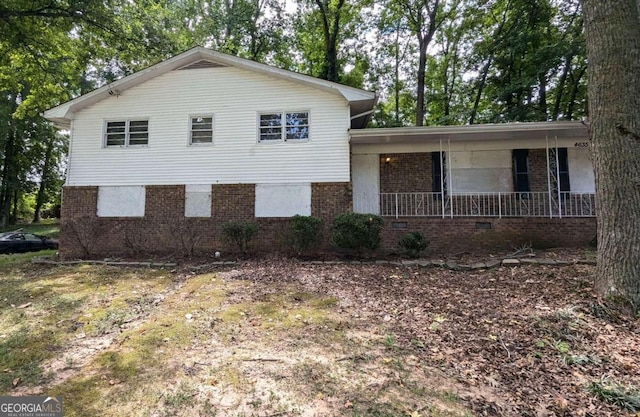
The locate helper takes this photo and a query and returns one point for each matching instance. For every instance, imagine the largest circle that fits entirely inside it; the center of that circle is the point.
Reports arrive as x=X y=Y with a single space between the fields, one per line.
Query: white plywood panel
x=481 y=180
x=581 y=175
x=121 y=201
x=283 y=200
x=366 y=183
x=234 y=97
x=197 y=201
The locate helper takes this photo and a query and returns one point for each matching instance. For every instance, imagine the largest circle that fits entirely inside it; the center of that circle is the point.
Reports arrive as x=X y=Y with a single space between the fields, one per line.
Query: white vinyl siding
x=200 y=129
x=121 y=201
x=234 y=98
x=126 y=133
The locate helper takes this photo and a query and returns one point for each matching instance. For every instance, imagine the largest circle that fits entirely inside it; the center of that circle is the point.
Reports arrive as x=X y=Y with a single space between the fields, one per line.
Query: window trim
x=283 y=126
x=190 y=128
x=127 y=132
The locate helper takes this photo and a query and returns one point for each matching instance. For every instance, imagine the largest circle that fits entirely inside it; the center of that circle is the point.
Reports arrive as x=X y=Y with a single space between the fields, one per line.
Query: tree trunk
x=44 y=179
x=612 y=32
x=560 y=87
x=422 y=66
x=330 y=30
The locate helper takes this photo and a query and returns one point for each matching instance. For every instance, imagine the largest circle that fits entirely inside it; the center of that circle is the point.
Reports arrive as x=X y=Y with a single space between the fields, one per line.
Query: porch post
x=441 y=179
x=549 y=177
x=558 y=182
x=450 y=178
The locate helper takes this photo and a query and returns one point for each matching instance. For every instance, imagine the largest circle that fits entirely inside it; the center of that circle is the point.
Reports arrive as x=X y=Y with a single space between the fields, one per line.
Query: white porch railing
x=530 y=204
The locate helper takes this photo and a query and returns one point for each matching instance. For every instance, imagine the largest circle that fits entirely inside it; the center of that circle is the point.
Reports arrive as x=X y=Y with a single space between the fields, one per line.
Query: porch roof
x=502 y=131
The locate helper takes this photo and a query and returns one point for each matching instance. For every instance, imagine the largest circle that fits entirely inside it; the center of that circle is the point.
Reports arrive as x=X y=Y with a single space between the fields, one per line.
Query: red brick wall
x=233 y=202
x=538 y=170
x=165 y=231
x=406 y=173
x=460 y=233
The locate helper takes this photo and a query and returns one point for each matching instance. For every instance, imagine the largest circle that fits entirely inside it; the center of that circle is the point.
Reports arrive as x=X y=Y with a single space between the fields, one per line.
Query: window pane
x=297 y=132
x=201 y=123
x=271 y=119
x=138 y=125
x=116 y=127
x=138 y=138
x=270 y=134
x=115 y=139
x=201 y=136
x=297 y=126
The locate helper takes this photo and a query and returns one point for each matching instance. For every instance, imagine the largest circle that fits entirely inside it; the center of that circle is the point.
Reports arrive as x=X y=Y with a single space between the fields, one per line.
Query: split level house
x=159 y=160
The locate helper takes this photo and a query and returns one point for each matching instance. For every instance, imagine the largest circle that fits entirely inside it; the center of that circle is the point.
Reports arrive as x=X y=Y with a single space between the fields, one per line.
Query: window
x=563 y=170
x=124 y=201
x=280 y=127
x=439 y=166
x=201 y=130
x=521 y=170
x=126 y=133
x=197 y=201
x=282 y=200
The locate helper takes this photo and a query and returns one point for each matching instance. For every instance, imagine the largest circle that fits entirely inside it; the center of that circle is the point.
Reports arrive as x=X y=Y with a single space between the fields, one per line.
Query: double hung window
x=283 y=127
x=126 y=133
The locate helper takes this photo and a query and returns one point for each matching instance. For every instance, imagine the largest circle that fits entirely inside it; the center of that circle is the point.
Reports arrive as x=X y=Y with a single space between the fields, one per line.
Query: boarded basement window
x=197 y=201
x=283 y=200
x=125 y=201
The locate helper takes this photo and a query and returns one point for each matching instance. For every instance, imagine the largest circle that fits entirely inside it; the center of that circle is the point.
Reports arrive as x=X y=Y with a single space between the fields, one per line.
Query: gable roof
x=361 y=101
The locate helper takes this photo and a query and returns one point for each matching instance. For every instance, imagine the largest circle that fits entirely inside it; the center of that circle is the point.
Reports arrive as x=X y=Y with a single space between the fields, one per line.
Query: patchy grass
x=330 y=340
x=48 y=227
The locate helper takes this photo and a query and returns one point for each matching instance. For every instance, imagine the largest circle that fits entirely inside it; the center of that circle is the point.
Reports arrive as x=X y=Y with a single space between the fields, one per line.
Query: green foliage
x=413 y=243
x=356 y=231
x=616 y=393
x=305 y=232
x=240 y=233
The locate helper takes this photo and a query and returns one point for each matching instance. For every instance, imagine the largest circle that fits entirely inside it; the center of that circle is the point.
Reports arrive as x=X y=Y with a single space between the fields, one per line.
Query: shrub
x=356 y=231
x=304 y=232
x=413 y=243
x=240 y=233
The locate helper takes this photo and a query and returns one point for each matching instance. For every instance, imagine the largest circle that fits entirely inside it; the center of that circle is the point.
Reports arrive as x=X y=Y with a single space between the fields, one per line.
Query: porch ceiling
x=504 y=131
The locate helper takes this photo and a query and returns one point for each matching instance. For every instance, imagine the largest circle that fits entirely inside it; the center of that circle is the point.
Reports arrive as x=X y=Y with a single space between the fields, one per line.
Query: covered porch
x=500 y=170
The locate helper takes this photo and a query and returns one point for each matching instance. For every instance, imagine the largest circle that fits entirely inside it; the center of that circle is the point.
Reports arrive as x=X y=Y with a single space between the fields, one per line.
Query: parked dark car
x=15 y=242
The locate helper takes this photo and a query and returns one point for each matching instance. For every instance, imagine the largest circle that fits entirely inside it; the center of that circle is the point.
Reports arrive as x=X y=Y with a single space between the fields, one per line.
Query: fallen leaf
x=15 y=382
x=25 y=305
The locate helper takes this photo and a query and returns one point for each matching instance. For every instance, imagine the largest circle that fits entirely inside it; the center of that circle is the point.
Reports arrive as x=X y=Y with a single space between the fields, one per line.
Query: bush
x=304 y=232
x=240 y=233
x=356 y=231
x=413 y=243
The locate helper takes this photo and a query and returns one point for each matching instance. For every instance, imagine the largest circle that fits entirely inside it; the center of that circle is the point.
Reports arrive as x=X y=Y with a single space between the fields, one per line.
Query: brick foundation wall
x=165 y=231
x=461 y=233
x=406 y=173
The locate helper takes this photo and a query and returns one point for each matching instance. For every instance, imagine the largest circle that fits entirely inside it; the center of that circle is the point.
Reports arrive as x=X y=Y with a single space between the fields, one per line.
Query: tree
x=612 y=32
x=424 y=16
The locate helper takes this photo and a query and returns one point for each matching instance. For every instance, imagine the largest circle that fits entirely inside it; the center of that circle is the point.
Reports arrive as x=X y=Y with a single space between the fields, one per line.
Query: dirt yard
x=282 y=338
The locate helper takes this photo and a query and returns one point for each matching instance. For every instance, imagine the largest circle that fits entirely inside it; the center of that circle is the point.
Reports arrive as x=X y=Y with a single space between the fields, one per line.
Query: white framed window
x=200 y=129
x=283 y=126
x=119 y=133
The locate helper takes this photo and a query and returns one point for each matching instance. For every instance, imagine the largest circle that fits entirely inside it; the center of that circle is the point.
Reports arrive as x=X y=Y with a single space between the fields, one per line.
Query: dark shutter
x=521 y=170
